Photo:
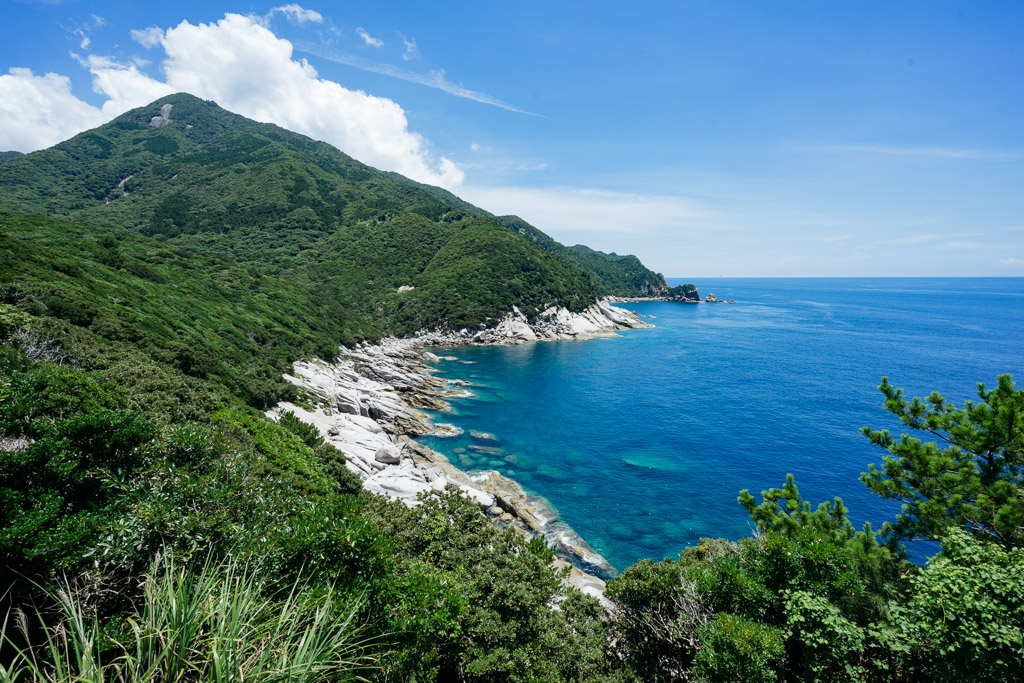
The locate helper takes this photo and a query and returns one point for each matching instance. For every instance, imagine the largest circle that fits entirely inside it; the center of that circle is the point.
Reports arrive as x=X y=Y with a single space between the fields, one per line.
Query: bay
x=642 y=442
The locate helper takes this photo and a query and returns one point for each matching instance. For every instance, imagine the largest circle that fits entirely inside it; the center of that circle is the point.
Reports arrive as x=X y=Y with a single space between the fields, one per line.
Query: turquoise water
x=642 y=442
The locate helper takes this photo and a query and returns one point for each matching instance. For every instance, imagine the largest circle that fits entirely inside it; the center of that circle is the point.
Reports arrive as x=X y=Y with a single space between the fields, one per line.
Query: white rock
x=388 y=455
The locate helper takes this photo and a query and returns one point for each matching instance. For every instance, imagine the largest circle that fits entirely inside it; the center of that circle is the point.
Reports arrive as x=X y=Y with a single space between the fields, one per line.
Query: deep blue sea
x=642 y=442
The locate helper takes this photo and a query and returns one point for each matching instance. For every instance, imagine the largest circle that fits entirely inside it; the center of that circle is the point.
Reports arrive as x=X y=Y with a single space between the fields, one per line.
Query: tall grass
x=215 y=624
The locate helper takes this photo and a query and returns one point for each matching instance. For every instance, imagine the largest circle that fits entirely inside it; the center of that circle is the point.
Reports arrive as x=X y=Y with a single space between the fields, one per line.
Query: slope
x=614 y=274
x=194 y=176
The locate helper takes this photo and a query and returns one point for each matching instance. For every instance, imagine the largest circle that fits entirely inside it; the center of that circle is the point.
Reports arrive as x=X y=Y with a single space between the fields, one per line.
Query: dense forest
x=155 y=282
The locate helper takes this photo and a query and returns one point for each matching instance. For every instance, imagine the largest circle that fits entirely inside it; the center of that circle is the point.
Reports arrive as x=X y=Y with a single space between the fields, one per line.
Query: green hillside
x=220 y=185
x=180 y=332
x=614 y=275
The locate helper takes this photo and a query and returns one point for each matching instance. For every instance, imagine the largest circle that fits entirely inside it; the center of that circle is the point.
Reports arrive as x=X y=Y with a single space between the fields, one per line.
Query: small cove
x=642 y=442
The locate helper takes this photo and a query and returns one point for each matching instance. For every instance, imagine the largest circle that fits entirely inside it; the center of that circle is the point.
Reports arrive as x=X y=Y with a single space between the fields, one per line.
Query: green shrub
x=736 y=649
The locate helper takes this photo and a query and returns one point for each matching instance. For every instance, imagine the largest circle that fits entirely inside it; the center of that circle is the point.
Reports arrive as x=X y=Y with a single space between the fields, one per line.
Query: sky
x=738 y=139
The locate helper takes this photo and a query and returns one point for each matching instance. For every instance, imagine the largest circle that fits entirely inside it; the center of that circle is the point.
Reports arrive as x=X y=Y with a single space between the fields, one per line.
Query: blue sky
x=708 y=138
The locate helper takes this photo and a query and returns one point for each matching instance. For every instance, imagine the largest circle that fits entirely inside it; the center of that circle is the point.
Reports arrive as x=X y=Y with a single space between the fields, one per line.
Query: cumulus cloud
x=368 y=39
x=297 y=15
x=148 y=37
x=124 y=85
x=39 y=111
x=244 y=67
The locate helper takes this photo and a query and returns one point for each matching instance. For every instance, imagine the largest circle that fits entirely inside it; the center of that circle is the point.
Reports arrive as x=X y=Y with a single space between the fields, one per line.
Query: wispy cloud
x=434 y=79
x=504 y=166
x=1012 y=262
x=964 y=153
x=297 y=14
x=147 y=37
x=83 y=31
x=910 y=240
x=961 y=245
x=411 y=50
x=368 y=39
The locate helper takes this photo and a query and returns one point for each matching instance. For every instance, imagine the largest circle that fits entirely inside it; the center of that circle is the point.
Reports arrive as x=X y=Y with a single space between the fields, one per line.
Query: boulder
x=389 y=455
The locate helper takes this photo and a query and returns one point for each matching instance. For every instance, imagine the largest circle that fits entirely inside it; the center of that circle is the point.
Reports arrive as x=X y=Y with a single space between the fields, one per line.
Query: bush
x=736 y=649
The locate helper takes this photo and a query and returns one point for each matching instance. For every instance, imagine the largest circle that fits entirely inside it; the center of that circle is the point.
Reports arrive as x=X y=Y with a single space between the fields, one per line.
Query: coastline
x=369 y=403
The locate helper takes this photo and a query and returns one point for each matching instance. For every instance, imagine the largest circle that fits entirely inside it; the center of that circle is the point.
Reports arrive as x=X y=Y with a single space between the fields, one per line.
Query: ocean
x=642 y=442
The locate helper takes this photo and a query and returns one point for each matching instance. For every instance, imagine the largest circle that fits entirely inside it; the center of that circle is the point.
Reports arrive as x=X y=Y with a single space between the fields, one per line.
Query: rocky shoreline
x=709 y=299
x=369 y=403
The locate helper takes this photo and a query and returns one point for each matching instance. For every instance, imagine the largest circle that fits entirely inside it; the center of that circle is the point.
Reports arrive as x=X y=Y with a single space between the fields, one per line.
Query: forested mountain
x=616 y=275
x=222 y=185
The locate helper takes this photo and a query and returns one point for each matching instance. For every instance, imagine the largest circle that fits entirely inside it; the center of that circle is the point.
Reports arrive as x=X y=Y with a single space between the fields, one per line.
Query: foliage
x=688 y=292
x=613 y=274
x=211 y=623
x=765 y=608
x=53 y=491
x=491 y=618
x=965 y=620
x=738 y=649
x=972 y=478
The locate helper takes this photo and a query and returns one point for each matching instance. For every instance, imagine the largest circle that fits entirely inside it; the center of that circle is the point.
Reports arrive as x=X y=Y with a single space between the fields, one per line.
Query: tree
x=972 y=477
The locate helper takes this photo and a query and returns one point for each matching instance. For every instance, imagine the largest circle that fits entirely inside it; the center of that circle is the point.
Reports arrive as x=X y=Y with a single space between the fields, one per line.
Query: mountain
x=192 y=254
x=614 y=274
x=219 y=184
x=9 y=155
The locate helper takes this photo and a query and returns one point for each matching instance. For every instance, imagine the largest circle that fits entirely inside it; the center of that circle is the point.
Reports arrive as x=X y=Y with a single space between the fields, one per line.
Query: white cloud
x=245 y=68
x=124 y=85
x=563 y=210
x=434 y=79
x=39 y=111
x=148 y=37
x=83 y=31
x=474 y=146
x=1011 y=262
x=411 y=50
x=297 y=14
x=368 y=39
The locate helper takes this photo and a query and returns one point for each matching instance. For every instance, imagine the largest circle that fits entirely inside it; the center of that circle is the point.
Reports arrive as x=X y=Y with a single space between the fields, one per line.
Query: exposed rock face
x=367 y=406
x=601 y=319
x=163 y=118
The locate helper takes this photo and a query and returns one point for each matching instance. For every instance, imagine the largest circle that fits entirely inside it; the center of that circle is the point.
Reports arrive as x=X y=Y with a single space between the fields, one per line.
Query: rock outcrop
x=368 y=404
